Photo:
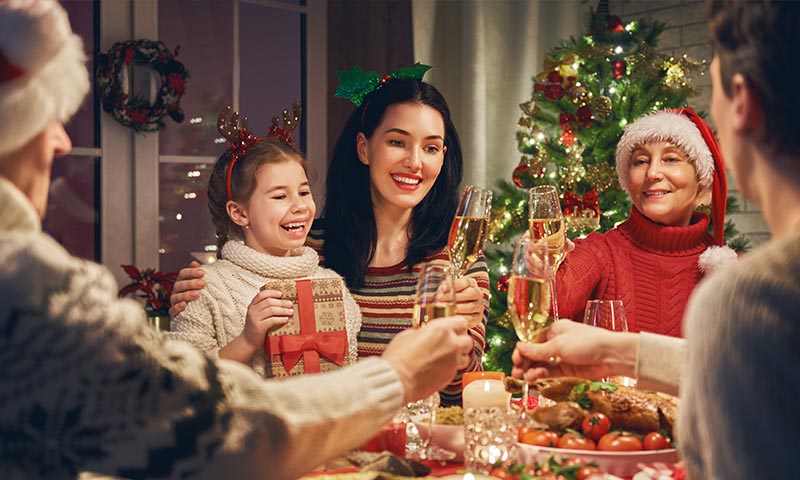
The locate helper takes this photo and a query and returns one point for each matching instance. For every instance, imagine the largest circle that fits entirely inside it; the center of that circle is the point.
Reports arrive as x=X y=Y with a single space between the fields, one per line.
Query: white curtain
x=485 y=53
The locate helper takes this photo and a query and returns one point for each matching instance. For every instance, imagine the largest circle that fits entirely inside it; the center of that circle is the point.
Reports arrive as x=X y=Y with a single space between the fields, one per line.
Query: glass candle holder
x=490 y=436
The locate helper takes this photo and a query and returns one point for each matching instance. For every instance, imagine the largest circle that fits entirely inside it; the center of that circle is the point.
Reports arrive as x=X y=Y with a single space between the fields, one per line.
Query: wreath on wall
x=135 y=111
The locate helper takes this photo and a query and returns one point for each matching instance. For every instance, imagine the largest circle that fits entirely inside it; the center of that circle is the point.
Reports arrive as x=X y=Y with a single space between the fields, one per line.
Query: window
x=250 y=55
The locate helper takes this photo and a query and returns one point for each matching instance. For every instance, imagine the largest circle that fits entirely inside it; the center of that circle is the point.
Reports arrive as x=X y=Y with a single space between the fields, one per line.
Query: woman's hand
x=187 y=288
x=576 y=350
x=469 y=300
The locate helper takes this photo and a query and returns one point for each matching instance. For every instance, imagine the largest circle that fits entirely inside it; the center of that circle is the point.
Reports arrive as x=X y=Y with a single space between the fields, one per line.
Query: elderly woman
x=86 y=385
x=667 y=161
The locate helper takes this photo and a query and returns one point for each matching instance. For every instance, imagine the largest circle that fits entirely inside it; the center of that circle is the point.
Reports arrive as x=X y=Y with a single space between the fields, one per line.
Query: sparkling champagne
x=425 y=313
x=529 y=306
x=467 y=237
x=552 y=230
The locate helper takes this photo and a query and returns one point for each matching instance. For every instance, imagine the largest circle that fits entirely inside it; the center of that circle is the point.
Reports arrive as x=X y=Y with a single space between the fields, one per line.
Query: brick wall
x=686 y=31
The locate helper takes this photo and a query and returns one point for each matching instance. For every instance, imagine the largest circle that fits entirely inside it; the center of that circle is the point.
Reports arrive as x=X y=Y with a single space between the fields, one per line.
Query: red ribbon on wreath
x=309 y=344
x=575 y=205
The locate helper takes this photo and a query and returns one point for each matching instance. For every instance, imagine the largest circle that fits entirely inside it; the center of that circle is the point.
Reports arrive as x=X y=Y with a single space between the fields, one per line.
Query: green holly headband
x=355 y=84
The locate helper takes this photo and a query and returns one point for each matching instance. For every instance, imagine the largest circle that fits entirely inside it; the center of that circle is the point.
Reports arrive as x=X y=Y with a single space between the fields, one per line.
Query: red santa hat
x=690 y=133
x=43 y=76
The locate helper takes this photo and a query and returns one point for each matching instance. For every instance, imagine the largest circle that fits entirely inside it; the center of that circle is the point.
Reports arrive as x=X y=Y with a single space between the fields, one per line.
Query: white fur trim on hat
x=665 y=126
x=714 y=258
x=36 y=36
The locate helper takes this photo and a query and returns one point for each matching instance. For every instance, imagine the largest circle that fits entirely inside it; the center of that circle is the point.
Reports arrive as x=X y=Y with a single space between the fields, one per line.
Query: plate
x=450 y=437
x=623 y=464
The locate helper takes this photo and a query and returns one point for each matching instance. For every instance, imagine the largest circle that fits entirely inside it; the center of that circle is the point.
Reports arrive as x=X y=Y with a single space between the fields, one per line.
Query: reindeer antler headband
x=241 y=138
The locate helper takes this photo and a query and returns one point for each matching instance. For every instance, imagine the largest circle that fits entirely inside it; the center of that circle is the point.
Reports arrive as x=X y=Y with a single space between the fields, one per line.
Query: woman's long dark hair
x=350 y=228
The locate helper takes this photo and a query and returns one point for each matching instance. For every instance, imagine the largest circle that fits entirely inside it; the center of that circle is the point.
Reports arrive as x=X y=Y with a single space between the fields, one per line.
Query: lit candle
x=485 y=393
x=469 y=377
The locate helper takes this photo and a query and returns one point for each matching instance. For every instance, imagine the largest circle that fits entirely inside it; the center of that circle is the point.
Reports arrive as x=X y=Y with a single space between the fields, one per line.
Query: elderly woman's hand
x=469 y=300
x=534 y=260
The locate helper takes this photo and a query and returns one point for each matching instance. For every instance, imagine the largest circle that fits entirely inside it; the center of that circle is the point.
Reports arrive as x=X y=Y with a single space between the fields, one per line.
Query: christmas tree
x=589 y=90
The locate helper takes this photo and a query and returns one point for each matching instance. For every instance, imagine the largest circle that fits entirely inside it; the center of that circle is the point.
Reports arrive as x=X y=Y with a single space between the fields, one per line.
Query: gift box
x=315 y=338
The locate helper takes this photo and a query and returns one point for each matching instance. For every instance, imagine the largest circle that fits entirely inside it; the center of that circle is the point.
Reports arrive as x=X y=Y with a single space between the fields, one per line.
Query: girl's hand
x=265 y=312
x=469 y=300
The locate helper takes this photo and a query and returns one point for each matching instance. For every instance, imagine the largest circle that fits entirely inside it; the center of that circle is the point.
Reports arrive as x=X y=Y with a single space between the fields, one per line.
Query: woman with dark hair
x=392 y=192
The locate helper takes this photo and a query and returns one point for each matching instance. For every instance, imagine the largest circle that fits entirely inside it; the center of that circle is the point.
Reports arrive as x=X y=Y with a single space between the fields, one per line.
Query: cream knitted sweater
x=217 y=317
x=87 y=385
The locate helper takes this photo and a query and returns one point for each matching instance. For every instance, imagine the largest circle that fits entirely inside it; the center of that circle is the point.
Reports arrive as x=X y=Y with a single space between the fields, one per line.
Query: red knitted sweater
x=652 y=268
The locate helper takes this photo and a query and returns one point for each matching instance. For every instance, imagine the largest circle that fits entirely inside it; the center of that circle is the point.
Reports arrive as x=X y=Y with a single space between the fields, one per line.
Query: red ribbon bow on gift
x=308 y=344
x=331 y=345
x=575 y=205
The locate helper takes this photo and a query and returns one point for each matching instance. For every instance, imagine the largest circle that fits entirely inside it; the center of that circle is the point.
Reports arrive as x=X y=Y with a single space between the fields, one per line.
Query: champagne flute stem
x=525 y=393
x=429 y=445
x=555 y=296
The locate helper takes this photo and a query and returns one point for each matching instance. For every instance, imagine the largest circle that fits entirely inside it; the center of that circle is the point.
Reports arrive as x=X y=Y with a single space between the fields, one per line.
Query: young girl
x=258 y=194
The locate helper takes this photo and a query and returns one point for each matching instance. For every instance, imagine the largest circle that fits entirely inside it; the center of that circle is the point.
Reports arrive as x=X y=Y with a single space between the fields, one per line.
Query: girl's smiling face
x=405 y=155
x=280 y=210
x=663 y=183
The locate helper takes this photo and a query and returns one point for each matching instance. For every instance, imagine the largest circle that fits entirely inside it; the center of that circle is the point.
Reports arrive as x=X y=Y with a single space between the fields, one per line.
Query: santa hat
x=690 y=133
x=43 y=76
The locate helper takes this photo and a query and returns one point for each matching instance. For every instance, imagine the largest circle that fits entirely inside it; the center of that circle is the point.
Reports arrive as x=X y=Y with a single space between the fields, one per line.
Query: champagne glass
x=435 y=299
x=529 y=294
x=547 y=223
x=608 y=314
x=468 y=230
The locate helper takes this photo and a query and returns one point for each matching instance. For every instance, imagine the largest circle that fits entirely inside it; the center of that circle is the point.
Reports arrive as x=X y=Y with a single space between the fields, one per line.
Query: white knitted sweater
x=217 y=317
x=87 y=385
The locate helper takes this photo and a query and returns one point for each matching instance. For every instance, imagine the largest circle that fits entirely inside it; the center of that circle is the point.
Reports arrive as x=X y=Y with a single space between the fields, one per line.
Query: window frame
x=130 y=203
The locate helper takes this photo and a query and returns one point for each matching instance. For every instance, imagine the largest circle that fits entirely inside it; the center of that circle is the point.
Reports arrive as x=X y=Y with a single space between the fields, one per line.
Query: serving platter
x=623 y=464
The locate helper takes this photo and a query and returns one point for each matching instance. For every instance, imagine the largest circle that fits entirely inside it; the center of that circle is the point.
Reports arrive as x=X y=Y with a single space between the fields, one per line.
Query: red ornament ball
x=614 y=24
x=618 y=69
x=521 y=176
x=502 y=282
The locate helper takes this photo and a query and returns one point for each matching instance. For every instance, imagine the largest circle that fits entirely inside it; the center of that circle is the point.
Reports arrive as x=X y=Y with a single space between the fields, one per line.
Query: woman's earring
x=247 y=226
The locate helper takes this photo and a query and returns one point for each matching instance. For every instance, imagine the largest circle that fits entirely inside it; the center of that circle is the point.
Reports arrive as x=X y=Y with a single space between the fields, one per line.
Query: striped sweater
x=387 y=303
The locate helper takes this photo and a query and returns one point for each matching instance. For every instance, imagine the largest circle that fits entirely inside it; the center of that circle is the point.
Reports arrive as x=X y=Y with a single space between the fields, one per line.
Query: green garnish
x=578 y=392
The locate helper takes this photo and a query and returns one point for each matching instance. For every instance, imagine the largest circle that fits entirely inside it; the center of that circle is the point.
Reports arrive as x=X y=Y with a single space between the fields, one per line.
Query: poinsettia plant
x=154 y=286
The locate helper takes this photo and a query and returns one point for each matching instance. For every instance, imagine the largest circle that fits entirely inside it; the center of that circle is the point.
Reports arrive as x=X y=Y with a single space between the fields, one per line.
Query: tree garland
x=135 y=111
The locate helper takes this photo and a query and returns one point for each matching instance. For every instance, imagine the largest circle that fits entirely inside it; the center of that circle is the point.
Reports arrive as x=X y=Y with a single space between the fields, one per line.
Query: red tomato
x=500 y=472
x=619 y=442
x=595 y=425
x=574 y=441
x=541 y=438
x=656 y=441
x=585 y=472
